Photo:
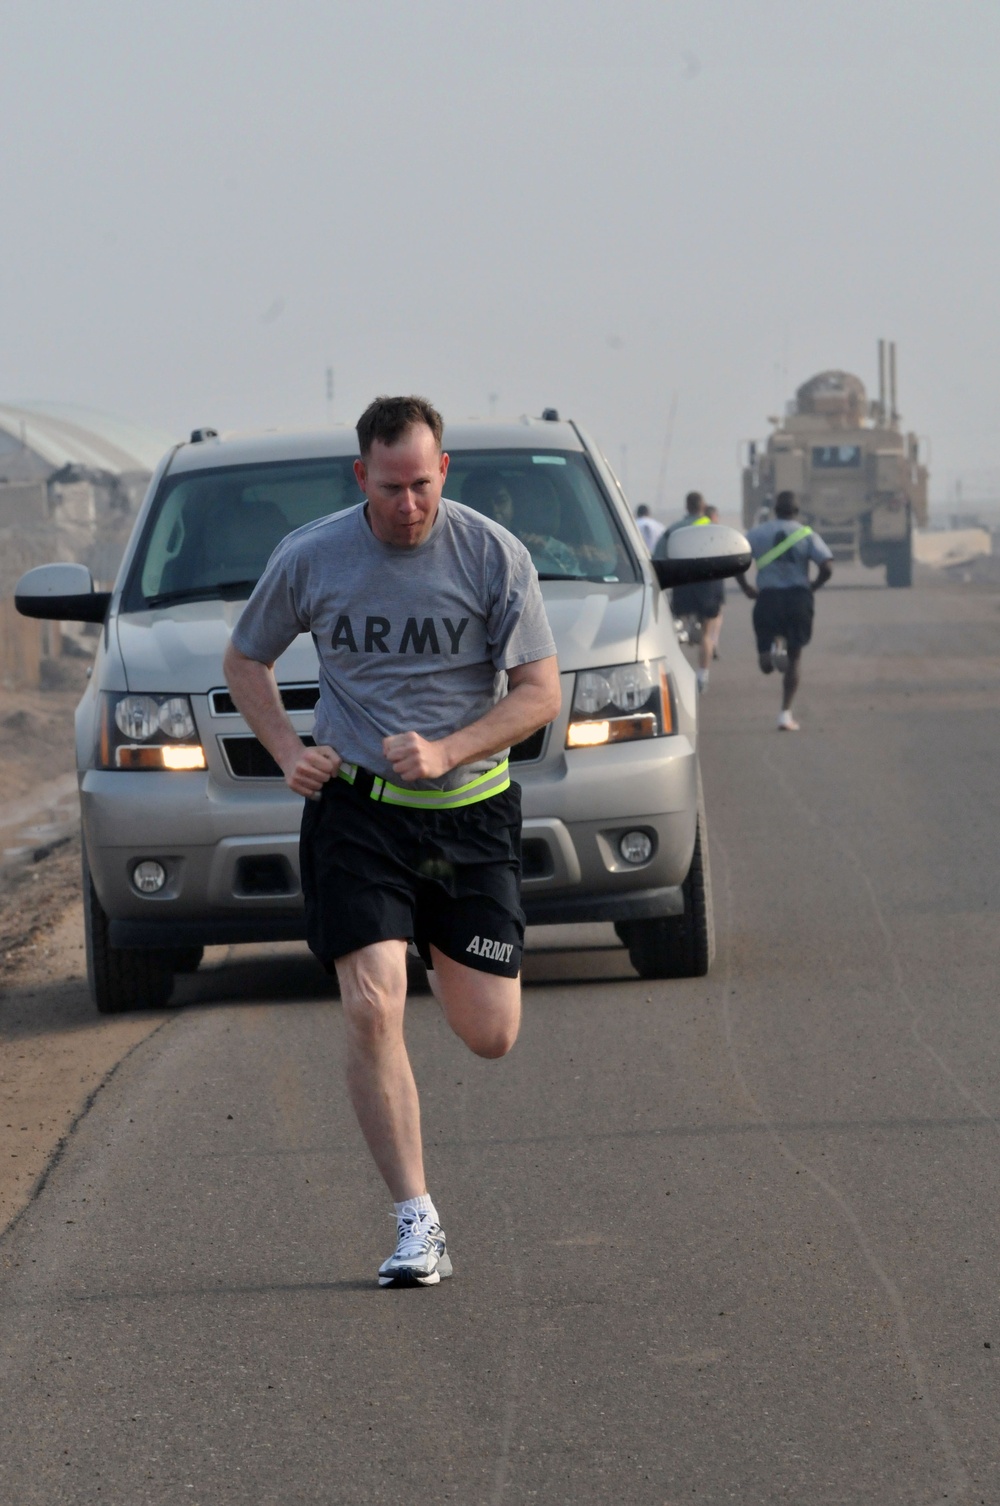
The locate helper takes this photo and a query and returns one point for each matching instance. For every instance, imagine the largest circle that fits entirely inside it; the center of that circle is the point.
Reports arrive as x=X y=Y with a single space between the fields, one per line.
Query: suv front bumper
x=231 y=852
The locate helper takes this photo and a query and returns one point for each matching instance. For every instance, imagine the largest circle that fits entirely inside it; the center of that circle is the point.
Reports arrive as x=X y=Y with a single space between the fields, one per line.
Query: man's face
x=403 y=483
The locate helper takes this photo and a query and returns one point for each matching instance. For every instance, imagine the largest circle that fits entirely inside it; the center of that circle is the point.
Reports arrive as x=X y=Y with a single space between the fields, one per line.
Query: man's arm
x=745 y=586
x=534 y=698
x=255 y=691
x=822 y=576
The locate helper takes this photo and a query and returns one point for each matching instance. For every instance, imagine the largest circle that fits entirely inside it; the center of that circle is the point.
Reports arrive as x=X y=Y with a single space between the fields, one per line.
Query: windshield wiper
x=227 y=590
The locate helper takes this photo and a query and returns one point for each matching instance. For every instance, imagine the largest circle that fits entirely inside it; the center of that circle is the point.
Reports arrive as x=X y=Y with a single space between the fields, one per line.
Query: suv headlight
x=621 y=704
x=148 y=732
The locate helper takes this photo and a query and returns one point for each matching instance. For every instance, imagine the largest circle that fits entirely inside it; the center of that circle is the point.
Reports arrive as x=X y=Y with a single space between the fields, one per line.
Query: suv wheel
x=678 y=946
x=118 y=979
x=185 y=959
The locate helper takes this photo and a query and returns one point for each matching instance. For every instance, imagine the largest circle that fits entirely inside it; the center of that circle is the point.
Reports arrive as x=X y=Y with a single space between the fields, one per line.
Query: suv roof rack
x=197 y=435
x=551 y=415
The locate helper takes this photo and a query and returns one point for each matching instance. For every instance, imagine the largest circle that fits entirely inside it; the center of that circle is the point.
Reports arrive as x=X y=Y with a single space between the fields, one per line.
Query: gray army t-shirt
x=409 y=639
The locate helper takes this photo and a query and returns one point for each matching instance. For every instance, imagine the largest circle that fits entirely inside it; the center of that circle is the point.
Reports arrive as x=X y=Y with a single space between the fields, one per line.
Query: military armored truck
x=858 y=479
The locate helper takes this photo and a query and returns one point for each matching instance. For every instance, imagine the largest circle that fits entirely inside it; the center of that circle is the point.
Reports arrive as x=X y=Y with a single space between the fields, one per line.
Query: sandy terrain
x=36 y=732
x=55 y=1050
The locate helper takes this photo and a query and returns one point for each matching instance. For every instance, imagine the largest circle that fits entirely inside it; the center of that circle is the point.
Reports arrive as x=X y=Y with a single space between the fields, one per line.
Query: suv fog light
x=149 y=876
x=635 y=847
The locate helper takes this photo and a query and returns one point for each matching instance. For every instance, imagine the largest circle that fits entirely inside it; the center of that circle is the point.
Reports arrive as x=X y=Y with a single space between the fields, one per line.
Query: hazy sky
x=588 y=205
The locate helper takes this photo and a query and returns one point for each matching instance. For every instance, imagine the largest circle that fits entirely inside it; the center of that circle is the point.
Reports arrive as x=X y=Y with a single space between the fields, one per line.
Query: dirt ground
x=55 y=1050
x=36 y=731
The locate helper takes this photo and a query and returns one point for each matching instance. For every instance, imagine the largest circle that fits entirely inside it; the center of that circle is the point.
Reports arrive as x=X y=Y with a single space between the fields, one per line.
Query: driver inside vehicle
x=489 y=494
x=536 y=523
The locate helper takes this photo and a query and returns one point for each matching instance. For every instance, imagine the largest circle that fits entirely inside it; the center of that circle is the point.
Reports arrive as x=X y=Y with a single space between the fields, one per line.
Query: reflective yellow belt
x=493 y=782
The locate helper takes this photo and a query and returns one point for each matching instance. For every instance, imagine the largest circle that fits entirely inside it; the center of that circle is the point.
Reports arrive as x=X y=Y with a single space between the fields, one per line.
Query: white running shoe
x=421 y=1257
x=701 y=675
x=787 y=722
x=779 y=655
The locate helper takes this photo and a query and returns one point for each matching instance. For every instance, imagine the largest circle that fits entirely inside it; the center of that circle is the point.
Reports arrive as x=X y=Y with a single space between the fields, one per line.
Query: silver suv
x=190 y=835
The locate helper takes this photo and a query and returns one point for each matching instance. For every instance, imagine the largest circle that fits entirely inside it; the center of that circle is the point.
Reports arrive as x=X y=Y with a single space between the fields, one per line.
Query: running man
x=651 y=529
x=435 y=656
x=701 y=600
x=783 y=597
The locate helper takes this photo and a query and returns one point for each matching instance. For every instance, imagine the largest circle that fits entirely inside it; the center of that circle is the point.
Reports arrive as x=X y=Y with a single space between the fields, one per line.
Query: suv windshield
x=212 y=532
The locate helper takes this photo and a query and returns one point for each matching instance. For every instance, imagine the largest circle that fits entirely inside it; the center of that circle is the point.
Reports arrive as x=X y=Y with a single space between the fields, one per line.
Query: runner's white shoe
x=779 y=655
x=787 y=722
x=421 y=1257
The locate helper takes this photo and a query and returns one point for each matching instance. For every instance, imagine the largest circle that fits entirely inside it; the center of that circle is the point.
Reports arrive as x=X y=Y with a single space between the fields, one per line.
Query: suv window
x=551 y=500
x=211 y=532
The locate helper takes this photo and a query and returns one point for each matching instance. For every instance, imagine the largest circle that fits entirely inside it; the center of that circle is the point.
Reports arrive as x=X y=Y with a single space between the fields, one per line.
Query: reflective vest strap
x=700 y=522
x=782 y=548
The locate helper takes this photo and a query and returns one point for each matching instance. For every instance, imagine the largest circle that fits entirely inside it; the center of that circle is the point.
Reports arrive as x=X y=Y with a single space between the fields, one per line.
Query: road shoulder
x=57 y=1051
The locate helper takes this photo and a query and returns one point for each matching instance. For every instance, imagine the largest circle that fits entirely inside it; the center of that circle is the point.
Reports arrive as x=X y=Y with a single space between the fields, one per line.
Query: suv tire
x=184 y=959
x=678 y=946
x=120 y=980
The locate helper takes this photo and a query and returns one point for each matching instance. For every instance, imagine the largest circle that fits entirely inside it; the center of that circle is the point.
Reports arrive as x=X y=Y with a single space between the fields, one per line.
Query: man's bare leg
x=711 y=632
x=379 y=1075
x=484 y=1010
x=790 y=684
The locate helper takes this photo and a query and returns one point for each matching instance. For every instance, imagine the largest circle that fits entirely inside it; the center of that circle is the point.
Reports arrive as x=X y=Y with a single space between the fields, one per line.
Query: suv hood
x=594 y=624
x=180 y=648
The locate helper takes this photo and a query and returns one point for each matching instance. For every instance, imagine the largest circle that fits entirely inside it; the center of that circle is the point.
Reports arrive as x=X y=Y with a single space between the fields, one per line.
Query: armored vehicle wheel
x=678 y=946
x=899 y=566
x=120 y=980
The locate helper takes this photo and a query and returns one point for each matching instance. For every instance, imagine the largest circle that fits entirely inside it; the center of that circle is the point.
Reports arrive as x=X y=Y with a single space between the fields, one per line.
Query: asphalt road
x=731 y=1239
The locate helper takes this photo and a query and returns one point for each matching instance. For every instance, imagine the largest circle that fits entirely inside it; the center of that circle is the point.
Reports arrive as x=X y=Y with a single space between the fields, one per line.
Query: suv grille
x=530 y=749
x=249 y=759
x=293 y=698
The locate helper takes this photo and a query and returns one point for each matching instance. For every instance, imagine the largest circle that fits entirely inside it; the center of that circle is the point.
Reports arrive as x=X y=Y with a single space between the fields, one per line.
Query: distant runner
x=701 y=602
x=783 y=597
x=652 y=531
x=435 y=656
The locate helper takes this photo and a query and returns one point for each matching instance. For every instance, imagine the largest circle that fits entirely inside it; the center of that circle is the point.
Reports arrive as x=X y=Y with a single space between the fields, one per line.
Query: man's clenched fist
x=413 y=757
x=308 y=771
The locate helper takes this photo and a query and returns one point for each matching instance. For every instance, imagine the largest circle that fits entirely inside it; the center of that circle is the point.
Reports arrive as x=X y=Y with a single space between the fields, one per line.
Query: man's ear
x=361 y=475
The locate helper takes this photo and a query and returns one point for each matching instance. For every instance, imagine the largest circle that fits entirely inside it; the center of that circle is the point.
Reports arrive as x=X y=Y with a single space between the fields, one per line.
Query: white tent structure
x=37 y=439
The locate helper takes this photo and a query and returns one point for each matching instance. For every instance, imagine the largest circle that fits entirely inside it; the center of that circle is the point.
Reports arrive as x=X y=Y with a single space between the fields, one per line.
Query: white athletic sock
x=422 y=1204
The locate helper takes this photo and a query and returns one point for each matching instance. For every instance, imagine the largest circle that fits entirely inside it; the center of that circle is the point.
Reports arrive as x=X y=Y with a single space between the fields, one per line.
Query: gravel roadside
x=56 y=1051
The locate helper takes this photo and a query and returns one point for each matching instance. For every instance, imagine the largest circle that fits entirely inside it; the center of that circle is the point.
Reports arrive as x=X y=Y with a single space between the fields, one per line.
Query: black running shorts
x=784 y=612
x=374 y=872
x=703 y=599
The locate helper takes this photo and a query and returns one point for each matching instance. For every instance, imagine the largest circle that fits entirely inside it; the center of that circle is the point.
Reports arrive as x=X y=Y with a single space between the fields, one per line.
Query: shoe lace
x=414 y=1229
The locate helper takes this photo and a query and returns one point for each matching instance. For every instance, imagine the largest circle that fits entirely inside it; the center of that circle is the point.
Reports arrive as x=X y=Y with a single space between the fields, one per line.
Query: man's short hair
x=785 y=505
x=694 y=502
x=388 y=418
x=642 y=511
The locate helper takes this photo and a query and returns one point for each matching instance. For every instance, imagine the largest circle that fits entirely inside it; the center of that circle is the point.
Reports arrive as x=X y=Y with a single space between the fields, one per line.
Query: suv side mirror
x=709 y=551
x=62 y=593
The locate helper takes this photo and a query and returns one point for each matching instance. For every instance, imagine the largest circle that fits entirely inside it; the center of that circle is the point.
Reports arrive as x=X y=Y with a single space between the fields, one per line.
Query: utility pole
x=661 y=485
